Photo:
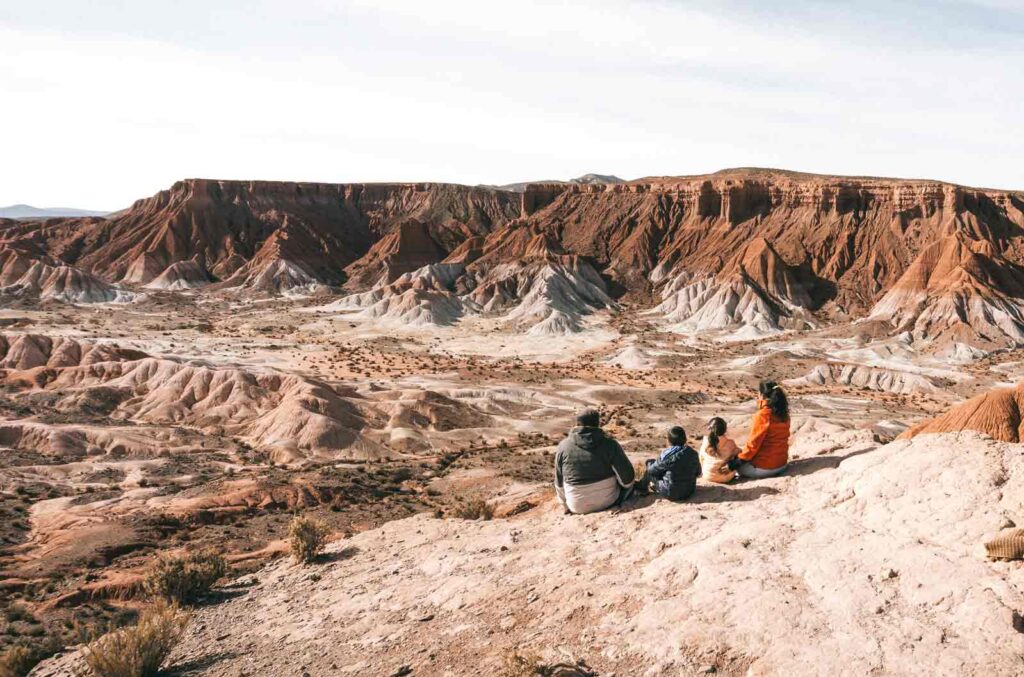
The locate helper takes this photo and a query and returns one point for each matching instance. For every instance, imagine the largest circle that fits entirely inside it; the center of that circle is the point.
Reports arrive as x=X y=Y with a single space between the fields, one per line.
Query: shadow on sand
x=199 y=664
x=807 y=466
x=718 y=493
x=343 y=554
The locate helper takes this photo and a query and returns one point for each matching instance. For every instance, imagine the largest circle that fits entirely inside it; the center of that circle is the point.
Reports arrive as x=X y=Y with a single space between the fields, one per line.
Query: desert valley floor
x=474 y=413
x=149 y=407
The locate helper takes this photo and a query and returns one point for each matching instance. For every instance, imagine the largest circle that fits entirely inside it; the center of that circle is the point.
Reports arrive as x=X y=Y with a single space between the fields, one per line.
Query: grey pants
x=754 y=473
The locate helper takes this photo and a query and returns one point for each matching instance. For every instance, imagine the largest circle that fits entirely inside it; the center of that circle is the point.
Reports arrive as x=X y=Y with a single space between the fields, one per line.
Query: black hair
x=716 y=428
x=676 y=436
x=589 y=418
x=775 y=396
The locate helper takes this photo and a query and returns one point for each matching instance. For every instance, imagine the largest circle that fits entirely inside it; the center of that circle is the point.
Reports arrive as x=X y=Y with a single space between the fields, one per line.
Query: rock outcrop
x=868 y=378
x=757 y=291
x=24 y=277
x=180 y=276
x=289 y=416
x=747 y=249
x=999 y=413
x=864 y=561
x=958 y=289
x=223 y=225
x=521 y=277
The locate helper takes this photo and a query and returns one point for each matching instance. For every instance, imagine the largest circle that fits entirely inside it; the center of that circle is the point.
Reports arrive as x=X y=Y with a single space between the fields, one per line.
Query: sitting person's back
x=674 y=474
x=716 y=451
x=592 y=472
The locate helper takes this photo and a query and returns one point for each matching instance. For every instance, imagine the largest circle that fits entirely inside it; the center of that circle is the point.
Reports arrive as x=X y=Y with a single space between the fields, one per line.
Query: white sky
x=106 y=102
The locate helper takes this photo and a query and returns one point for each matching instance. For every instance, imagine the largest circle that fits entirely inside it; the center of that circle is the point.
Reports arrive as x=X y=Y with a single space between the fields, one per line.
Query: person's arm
x=758 y=430
x=559 y=482
x=624 y=472
x=656 y=469
x=691 y=471
x=694 y=459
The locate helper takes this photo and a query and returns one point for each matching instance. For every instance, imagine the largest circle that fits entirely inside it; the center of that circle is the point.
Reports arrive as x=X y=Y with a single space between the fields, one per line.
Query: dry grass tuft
x=307 y=538
x=17 y=661
x=185 y=579
x=518 y=665
x=640 y=470
x=139 y=650
x=474 y=509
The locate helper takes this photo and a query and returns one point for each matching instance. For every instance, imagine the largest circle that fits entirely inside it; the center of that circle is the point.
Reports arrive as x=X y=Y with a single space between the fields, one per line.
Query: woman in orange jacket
x=766 y=453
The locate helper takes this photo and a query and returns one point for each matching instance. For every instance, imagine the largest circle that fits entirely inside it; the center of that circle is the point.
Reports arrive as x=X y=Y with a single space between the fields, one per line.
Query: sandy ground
x=444 y=415
x=862 y=561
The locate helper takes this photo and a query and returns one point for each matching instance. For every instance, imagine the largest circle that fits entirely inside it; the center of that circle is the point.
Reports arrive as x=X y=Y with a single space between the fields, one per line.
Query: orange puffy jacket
x=768 y=445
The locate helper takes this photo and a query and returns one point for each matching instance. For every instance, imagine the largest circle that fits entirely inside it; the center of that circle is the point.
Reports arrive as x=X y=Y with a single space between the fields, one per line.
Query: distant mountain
x=597 y=178
x=748 y=251
x=586 y=179
x=30 y=212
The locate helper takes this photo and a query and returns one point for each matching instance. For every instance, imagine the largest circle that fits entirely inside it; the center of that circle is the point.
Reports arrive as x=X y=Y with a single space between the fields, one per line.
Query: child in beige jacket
x=716 y=451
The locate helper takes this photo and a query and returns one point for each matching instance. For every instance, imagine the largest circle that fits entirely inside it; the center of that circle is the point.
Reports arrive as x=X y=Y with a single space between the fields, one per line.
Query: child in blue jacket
x=674 y=473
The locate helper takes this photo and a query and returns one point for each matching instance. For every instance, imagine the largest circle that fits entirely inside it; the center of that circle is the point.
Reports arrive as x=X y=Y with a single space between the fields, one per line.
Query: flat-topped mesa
x=841 y=242
x=223 y=225
x=738 y=197
x=858 y=235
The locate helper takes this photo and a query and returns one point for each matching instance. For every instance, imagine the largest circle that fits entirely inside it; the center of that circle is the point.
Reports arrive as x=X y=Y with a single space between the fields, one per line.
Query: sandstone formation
x=998 y=413
x=180 y=276
x=756 y=291
x=746 y=251
x=287 y=415
x=524 y=278
x=319 y=228
x=24 y=277
x=960 y=289
x=859 y=376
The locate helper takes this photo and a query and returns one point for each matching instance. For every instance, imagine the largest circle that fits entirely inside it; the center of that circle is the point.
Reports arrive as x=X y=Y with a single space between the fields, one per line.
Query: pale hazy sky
x=106 y=102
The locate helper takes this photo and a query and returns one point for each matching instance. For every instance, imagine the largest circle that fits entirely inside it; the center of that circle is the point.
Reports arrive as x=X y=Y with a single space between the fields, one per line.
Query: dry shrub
x=307 y=538
x=184 y=579
x=640 y=470
x=139 y=650
x=17 y=661
x=474 y=509
x=518 y=665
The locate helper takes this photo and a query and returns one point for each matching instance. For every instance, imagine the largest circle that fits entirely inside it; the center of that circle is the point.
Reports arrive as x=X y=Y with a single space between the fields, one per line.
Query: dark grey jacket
x=588 y=455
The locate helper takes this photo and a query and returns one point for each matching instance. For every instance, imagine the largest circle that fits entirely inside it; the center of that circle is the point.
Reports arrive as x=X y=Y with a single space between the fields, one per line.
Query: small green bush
x=184 y=579
x=139 y=650
x=307 y=538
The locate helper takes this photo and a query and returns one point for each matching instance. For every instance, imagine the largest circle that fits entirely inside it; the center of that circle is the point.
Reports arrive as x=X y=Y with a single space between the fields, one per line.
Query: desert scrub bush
x=307 y=538
x=474 y=509
x=184 y=579
x=640 y=471
x=138 y=650
x=518 y=665
x=17 y=661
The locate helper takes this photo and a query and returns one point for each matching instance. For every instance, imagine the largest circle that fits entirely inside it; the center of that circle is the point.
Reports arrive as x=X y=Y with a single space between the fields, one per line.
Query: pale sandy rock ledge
x=864 y=562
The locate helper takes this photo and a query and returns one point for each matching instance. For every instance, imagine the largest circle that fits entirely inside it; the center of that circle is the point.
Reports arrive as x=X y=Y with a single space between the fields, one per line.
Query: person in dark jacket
x=674 y=474
x=592 y=472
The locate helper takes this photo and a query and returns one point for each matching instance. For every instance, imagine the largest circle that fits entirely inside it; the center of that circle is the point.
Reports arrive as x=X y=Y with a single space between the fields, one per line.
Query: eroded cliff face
x=856 y=235
x=831 y=246
x=224 y=225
